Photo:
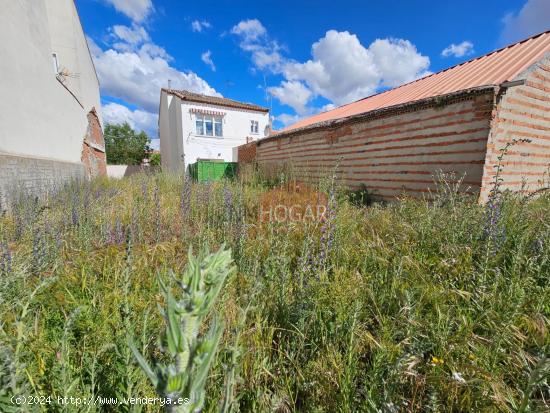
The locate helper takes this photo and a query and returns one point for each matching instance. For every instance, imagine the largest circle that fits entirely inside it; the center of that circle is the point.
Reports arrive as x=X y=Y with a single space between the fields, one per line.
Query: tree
x=154 y=160
x=124 y=146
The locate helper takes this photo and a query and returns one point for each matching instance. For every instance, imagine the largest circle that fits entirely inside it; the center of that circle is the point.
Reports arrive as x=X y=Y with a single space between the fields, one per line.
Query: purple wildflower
x=74 y=209
x=38 y=251
x=205 y=194
x=228 y=202
x=5 y=258
x=158 y=223
x=144 y=190
x=185 y=201
x=119 y=232
x=327 y=230
x=18 y=223
x=538 y=246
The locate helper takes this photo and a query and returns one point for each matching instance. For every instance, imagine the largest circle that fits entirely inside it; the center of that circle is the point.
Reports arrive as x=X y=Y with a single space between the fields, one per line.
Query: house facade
x=194 y=126
x=50 y=126
x=457 y=121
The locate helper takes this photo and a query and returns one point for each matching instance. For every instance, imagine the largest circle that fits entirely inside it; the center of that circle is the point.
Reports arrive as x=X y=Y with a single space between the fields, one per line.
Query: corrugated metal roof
x=491 y=69
x=214 y=100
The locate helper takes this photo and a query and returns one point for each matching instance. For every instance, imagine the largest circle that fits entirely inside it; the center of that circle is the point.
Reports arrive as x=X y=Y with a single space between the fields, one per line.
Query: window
x=208 y=131
x=200 y=125
x=254 y=126
x=208 y=125
x=218 y=129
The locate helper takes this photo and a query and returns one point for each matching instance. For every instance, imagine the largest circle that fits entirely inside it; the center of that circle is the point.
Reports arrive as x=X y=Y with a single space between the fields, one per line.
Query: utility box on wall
x=207 y=170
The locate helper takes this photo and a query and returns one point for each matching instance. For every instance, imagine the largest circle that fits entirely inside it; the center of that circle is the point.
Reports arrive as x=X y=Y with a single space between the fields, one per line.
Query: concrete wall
x=179 y=144
x=392 y=153
x=40 y=175
x=122 y=171
x=522 y=112
x=43 y=115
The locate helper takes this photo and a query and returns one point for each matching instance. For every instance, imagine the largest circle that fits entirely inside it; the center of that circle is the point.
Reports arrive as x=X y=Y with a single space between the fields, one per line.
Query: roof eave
x=237 y=105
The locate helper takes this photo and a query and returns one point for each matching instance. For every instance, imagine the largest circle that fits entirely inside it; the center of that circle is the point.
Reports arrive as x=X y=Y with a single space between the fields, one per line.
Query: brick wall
x=393 y=153
x=246 y=153
x=523 y=112
x=33 y=175
x=93 y=148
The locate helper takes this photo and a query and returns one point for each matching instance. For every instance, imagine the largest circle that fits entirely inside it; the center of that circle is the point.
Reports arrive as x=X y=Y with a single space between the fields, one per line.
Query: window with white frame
x=207 y=125
x=254 y=127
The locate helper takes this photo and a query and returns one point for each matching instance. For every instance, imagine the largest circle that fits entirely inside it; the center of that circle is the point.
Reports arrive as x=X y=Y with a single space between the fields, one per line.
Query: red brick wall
x=523 y=112
x=246 y=153
x=395 y=153
x=93 y=148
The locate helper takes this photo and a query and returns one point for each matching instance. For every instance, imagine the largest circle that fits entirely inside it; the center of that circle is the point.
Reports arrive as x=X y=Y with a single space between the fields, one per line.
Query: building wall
x=122 y=171
x=69 y=42
x=236 y=130
x=179 y=144
x=167 y=133
x=43 y=117
x=41 y=175
x=93 y=149
x=246 y=153
x=393 y=153
x=522 y=112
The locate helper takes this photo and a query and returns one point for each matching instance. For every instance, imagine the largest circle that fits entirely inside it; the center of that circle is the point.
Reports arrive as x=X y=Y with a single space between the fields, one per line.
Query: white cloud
x=294 y=94
x=327 y=107
x=139 y=120
x=533 y=18
x=458 y=50
x=250 y=30
x=137 y=10
x=288 y=119
x=134 y=70
x=131 y=35
x=94 y=48
x=135 y=73
x=398 y=61
x=206 y=57
x=266 y=53
x=268 y=57
x=199 y=25
x=343 y=70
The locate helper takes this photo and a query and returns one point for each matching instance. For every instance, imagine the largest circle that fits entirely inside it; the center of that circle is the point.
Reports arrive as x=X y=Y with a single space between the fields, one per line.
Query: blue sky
x=296 y=57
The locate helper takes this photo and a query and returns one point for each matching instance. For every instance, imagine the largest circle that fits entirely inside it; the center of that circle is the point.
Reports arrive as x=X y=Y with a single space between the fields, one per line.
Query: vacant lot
x=413 y=306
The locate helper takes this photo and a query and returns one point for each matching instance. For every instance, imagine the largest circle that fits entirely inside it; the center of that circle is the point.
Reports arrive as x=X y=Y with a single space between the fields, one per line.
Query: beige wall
x=393 y=153
x=39 y=116
x=523 y=112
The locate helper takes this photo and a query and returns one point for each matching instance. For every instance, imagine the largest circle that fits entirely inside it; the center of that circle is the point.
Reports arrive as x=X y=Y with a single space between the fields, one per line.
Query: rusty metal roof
x=494 y=68
x=214 y=100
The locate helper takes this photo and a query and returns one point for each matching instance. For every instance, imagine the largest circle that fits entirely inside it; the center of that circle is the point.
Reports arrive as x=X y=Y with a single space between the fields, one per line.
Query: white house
x=194 y=126
x=50 y=129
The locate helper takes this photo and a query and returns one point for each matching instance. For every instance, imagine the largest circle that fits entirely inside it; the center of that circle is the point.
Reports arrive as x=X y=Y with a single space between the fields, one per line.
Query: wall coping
x=412 y=106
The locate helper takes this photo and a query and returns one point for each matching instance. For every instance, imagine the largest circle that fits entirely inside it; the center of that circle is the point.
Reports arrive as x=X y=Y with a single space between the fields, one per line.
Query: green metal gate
x=204 y=170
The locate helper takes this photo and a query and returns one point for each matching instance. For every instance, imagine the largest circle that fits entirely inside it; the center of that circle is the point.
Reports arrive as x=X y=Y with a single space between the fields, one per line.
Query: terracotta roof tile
x=214 y=100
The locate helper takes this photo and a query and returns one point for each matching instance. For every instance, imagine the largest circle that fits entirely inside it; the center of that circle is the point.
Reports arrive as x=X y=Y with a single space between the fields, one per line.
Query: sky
x=295 y=57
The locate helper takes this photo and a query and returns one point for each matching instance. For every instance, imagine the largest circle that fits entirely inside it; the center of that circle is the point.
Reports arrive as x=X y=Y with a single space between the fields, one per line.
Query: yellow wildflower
x=436 y=360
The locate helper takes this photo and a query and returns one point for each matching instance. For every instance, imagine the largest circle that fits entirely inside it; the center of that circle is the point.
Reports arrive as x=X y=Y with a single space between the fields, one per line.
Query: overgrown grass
x=414 y=306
